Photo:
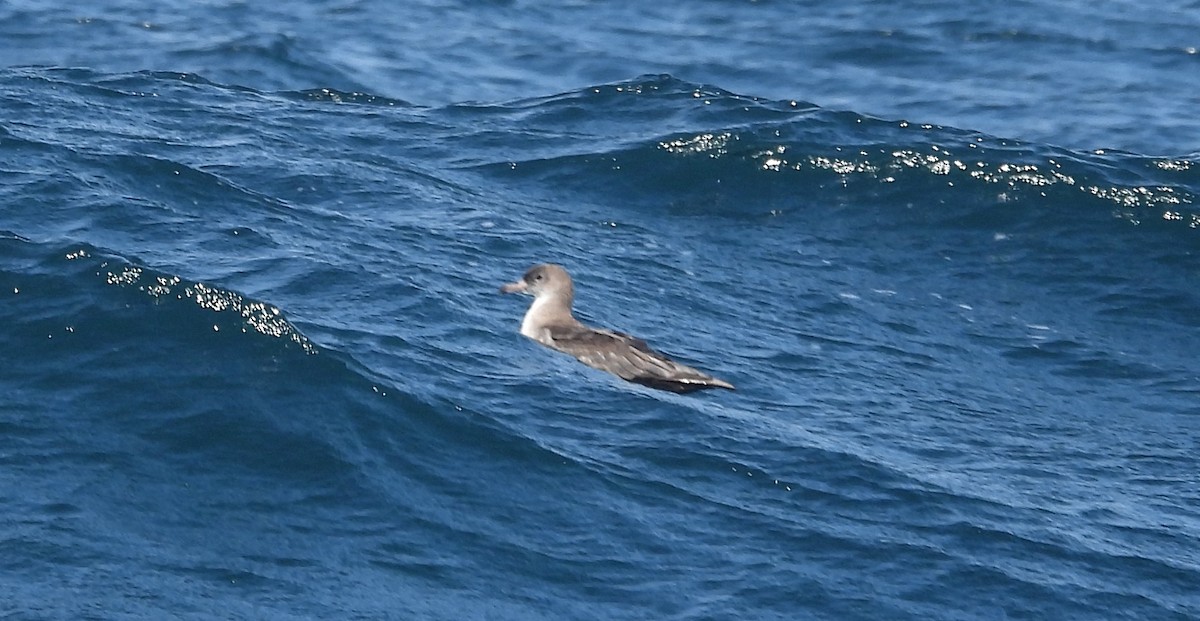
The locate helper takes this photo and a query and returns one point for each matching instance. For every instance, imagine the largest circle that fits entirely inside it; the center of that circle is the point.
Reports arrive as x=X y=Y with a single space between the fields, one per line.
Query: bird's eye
x=538 y=277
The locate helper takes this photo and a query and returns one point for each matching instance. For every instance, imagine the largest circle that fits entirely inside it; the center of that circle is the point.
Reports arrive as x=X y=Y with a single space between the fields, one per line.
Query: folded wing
x=630 y=358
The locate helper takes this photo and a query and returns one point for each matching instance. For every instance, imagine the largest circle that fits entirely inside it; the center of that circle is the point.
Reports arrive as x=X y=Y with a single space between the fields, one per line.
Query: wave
x=104 y=315
x=92 y=282
x=699 y=149
x=712 y=151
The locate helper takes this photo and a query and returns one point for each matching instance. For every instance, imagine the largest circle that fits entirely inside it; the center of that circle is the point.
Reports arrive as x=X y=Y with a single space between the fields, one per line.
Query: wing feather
x=629 y=358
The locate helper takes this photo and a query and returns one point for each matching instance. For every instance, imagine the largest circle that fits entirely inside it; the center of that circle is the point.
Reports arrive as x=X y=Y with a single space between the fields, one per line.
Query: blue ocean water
x=254 y=362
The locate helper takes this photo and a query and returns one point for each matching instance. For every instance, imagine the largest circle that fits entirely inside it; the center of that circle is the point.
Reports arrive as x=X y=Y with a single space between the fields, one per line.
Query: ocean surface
x=254 y=364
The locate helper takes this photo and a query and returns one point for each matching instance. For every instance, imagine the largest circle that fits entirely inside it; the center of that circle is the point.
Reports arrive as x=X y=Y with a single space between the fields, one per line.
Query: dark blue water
x=254 y=365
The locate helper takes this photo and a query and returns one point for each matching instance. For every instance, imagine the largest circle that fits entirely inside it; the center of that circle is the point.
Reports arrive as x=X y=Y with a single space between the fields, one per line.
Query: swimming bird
x=549 y=321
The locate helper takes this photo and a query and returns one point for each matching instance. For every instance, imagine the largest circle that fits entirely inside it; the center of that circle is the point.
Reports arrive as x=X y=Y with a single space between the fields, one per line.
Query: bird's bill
x=515 y=287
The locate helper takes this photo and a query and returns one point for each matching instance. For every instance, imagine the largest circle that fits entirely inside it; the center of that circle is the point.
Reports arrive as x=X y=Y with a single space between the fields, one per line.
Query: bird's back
x=630 y=358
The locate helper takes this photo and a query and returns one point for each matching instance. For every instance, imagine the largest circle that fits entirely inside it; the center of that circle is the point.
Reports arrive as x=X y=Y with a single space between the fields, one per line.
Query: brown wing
x=630 y=359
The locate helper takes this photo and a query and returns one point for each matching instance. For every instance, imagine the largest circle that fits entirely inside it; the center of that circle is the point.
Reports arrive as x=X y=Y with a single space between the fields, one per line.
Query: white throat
x=531 y=324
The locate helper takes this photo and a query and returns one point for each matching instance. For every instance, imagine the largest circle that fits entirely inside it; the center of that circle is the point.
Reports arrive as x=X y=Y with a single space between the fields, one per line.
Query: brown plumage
x=550 y=322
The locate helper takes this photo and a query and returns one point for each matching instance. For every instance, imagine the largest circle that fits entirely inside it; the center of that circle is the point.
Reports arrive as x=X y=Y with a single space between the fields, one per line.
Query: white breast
x=530 y=325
